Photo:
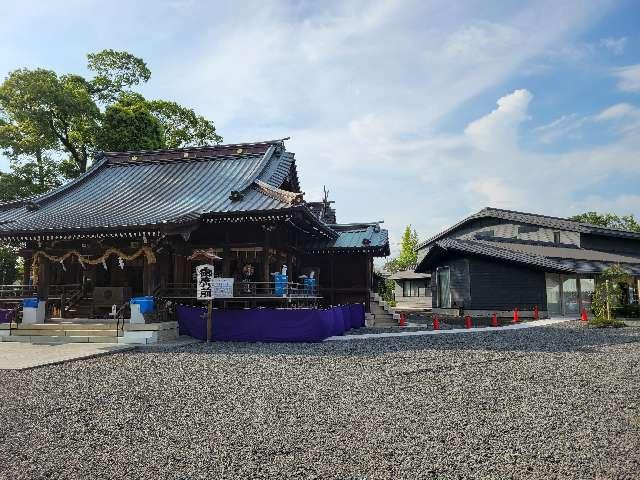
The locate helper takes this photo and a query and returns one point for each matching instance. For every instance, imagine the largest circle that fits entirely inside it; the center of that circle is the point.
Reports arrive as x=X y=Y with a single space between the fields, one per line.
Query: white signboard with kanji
x=223 y=287
x=204 y=281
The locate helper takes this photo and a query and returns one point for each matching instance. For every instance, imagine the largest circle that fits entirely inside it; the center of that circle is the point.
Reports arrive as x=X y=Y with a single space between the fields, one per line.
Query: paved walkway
x=17 y=355
x=417 y=333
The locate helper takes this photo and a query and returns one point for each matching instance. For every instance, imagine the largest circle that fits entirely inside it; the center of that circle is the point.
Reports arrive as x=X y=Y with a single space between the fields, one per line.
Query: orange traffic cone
x=583 y=316
x=516 y=316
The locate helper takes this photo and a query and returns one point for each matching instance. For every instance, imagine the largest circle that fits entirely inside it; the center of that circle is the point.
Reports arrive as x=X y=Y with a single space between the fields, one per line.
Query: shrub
x=605 y=323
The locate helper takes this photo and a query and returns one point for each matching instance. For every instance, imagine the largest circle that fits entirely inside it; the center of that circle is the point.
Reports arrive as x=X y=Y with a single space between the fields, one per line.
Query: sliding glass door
x=444 y=287
x=567 y=294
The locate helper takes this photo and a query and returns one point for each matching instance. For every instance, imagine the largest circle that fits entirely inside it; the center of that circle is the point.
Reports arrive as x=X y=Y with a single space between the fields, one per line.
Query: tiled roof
x=595 y=266
x=487 y=250
x=134 y=189
x=355 y=237
x=534 y=219
x=409 y=275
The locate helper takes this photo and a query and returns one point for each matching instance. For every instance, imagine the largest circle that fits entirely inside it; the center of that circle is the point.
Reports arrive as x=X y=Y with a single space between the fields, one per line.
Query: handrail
x=245 y=290
x=17 y=291
x=120 y=314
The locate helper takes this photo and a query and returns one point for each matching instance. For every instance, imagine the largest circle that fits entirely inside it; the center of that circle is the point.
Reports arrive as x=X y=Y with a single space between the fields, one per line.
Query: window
x=444 y=287
x=414 y=288
x=485 y=234
x=527 y=229
x=556 y=237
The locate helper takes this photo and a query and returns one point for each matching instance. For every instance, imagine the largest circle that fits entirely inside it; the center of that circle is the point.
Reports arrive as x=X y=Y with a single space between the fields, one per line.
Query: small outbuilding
x=412 y=290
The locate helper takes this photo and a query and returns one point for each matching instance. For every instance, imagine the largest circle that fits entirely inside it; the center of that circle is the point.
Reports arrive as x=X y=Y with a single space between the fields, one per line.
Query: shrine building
x=135 y=224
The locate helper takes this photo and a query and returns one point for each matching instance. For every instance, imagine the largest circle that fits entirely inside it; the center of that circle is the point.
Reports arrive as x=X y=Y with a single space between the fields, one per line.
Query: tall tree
x=49 y=120
x=182 y=126
x=609 y=220
x=408 y=256
x=129 y=125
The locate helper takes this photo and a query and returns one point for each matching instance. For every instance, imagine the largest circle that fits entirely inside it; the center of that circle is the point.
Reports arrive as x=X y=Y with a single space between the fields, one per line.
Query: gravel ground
x=553 y=402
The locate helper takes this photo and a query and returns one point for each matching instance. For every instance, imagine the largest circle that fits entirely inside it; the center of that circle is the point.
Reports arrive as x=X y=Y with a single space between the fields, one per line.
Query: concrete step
x=60 y=339
x=66 y=333
x=66 y=326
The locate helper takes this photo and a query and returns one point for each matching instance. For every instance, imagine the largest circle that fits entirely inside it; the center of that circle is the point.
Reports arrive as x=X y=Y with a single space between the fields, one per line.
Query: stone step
x=65 y=333
x=59 y=339
x=66 y=326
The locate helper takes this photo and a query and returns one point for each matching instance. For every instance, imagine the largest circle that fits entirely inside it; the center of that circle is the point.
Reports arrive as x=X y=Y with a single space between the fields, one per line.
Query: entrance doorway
x=567 y=295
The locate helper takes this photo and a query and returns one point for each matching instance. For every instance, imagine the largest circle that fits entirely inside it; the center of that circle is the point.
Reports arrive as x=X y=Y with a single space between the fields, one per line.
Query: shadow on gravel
x=568 y=338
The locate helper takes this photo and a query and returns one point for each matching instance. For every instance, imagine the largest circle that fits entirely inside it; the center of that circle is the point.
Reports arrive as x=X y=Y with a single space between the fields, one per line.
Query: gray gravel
x=553 y=402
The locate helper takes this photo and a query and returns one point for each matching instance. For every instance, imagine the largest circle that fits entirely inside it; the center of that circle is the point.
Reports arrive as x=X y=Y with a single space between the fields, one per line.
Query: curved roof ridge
x=292 y=198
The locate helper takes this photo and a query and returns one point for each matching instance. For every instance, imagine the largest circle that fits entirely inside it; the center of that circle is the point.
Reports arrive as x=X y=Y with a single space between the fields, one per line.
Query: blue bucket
x=146 y=303
x=30 y=302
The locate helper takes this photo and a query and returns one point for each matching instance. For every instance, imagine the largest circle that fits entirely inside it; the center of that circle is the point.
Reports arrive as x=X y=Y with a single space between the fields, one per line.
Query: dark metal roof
x=595 y=266
x=534 y=219
x=492 y=251
x=366 y=238
x=548 y=258
x=409 y=275
x=136 y=189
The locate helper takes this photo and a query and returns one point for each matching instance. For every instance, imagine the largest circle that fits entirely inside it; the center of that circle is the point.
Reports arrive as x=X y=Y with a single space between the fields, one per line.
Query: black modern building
x=497 y=260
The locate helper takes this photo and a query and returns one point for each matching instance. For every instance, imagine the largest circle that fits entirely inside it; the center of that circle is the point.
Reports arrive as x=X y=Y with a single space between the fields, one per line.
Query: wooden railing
x=18 y=291
x=244 y=290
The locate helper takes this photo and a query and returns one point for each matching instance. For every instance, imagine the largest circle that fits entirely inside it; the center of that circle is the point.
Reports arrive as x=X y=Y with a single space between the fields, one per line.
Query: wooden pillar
x=27 y=262
x=226 y=262
x=266 y=274
x=44 y=275
x=332 y=283
x=369 y=280
x=149 y=278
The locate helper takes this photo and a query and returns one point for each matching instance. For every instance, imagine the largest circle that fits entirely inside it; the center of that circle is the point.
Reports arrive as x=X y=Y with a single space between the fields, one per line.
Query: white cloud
x=361 y=87
x=498 y=131
x=628 y=78
x=565 y=126
x=614 y=45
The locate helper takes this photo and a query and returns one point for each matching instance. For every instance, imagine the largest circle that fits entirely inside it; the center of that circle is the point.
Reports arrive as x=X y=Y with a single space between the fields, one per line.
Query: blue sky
x=409 y=111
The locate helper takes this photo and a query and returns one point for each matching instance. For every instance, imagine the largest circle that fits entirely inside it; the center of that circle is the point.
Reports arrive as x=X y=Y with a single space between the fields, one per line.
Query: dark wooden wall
x=479 y=283
x=504 y=286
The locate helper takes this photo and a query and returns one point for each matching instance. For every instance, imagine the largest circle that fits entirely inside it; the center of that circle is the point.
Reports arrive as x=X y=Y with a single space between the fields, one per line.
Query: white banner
x=223 y=287
x=204 y=281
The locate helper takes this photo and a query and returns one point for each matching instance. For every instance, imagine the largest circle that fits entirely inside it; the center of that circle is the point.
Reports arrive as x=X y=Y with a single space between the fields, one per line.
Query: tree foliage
x=408 y=256
x=51 y=125
x=609 y=291
x=8 y=265
x=129 y=125
x=609 y=220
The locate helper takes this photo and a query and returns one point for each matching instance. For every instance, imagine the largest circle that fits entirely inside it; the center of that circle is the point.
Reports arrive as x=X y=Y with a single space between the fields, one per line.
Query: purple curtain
x=269 y=325
x=6 y=316
x=357 y=315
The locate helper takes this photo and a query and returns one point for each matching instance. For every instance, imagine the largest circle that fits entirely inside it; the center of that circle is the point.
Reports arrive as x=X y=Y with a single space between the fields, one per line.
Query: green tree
x=129 y=125
x=182 y=126
x=608 y=220
x=51 y=125
x=408 y=256
x=115 y=73
x=609 y=292
x=8 y=265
